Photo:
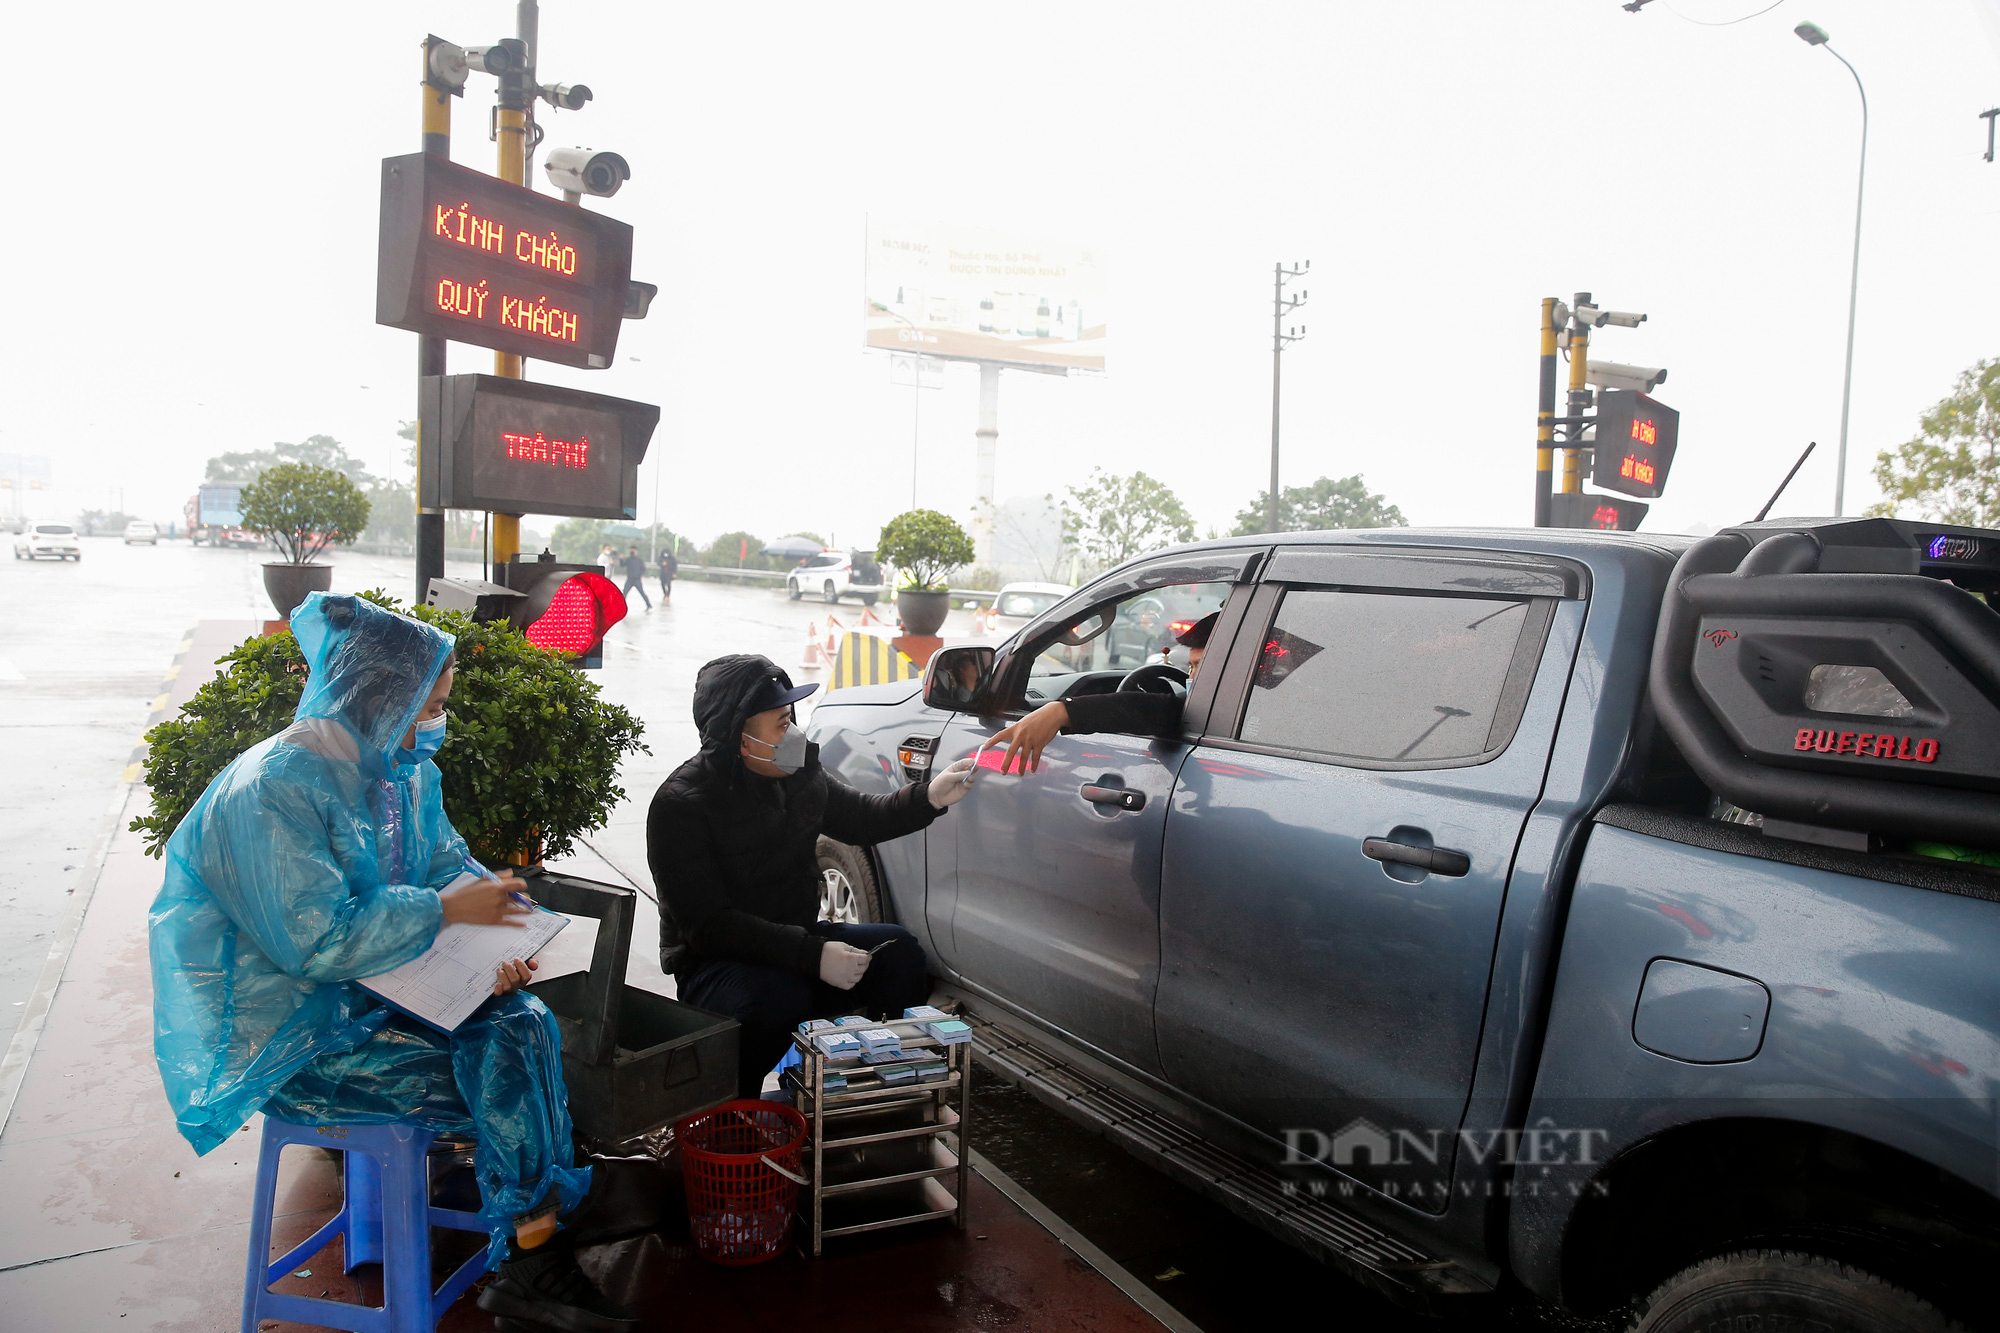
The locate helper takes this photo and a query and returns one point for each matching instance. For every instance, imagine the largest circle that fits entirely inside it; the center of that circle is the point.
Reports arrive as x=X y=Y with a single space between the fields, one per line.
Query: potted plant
x=925 y=545
x=303 y=510
x=530 y=761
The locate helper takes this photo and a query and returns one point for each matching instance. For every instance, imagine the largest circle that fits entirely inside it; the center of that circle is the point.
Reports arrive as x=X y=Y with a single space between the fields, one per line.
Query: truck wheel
x=792 y=589
x=1784 y=1289
x=868 y=599
x=828 y=595
x=847 y=891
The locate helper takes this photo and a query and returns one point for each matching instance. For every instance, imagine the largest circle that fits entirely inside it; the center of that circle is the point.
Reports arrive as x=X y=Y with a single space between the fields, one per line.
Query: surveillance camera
x=504 y=57
x=1587 y=316
x=448 y=65
x=1623 y=319
x=1612 y=375
x=585 y=171
x=567 y=96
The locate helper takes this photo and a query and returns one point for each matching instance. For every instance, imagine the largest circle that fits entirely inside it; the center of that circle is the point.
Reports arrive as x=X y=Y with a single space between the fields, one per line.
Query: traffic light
x=563 y=608
x=1605 y=513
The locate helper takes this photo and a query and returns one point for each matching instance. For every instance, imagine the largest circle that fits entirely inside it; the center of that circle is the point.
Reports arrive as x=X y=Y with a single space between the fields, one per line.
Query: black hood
x=723 y=690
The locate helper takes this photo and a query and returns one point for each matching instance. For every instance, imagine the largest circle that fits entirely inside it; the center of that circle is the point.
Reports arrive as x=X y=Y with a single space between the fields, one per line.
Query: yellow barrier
x=870 y=659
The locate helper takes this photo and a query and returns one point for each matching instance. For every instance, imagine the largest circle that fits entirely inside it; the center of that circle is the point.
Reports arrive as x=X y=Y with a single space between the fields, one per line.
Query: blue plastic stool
x=386 y=1217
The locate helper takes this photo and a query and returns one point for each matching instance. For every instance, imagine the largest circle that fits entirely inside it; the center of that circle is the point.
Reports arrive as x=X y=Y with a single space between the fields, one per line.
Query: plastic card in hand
x=446 y=982
x=949 y=1032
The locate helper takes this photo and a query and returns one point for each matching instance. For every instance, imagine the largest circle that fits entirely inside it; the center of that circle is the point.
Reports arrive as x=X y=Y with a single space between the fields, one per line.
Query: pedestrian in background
x=668 y=568
x=635 y=575
x=607 y=560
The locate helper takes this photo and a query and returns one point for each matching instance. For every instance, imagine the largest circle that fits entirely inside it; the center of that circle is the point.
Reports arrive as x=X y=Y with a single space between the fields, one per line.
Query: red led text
x=539 y=317
x=1645 y=432
x=462 y=226
x=1636 y=468
x=539 y=448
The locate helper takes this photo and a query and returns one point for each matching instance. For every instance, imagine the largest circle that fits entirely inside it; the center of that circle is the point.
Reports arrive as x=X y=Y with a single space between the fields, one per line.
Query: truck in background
x=215 y=516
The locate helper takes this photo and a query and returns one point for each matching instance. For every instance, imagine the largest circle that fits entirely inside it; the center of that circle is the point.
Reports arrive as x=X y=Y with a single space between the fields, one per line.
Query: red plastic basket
x=741 y=1164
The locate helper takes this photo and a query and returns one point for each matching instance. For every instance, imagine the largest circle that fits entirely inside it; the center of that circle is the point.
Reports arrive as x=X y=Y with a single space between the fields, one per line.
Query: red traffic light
x=583 y=607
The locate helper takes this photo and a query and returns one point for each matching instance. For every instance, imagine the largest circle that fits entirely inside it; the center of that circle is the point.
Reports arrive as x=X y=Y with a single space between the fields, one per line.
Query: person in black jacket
x=732 y=838
x=635 y=574
x=1129 y=712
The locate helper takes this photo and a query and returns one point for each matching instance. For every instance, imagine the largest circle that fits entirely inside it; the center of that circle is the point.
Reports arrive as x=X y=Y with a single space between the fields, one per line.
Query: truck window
x=1122 y=636
x=1390 y=677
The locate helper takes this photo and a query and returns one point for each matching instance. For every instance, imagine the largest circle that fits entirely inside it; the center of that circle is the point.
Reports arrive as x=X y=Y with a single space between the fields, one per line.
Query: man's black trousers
x=770 y=1003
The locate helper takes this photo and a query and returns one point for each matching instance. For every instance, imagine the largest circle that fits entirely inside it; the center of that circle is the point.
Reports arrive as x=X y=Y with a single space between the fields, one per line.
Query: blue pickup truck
x=1610 y=915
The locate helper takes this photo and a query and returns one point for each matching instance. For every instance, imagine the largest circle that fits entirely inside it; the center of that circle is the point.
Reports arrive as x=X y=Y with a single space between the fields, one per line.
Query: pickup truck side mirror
x=955 y=677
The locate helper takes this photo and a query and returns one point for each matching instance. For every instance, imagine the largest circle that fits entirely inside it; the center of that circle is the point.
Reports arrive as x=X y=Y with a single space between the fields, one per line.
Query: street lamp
x=1814 y=35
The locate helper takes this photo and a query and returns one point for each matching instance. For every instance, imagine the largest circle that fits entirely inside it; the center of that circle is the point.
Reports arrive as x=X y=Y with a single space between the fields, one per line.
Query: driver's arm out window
x=1101 y=646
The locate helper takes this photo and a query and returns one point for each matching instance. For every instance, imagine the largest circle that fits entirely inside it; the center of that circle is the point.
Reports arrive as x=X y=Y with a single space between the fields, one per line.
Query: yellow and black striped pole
x=430 y=351
x=511 y=129
x=1579 y=393
x=1545 y=411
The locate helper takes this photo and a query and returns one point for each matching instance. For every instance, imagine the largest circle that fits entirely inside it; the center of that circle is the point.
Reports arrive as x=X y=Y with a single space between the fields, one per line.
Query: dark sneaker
x=544 y=1289
x=627 y=1196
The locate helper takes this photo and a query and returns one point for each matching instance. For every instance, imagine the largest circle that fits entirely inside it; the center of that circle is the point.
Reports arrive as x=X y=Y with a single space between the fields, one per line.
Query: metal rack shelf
x=888 y=1156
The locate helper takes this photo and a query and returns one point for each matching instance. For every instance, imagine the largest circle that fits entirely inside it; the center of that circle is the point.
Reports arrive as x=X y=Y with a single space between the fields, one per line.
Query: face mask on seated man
x=732 y=839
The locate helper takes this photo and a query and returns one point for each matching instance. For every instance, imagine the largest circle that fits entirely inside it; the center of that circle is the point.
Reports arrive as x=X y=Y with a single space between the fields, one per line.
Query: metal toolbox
x=633 y=1060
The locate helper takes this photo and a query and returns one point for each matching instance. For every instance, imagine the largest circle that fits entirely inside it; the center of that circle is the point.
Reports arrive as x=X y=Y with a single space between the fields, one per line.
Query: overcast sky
x=195 y=197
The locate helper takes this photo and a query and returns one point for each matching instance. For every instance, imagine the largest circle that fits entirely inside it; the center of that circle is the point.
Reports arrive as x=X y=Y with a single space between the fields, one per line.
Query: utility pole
x=517 y=93
x=1579 y=394
x=1280 y=307
x=430 y=351
x=1545 y=411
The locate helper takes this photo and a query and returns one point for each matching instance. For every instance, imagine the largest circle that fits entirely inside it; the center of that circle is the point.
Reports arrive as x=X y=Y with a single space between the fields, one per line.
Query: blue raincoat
x=313 y=859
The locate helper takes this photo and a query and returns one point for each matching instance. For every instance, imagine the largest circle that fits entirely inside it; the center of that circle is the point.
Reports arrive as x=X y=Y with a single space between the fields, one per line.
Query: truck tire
x=868 y=598
x=847 y=889
x=1774 y=1289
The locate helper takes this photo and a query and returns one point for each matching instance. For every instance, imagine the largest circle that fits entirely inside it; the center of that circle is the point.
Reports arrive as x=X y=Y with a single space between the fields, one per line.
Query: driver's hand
x=1030 y=736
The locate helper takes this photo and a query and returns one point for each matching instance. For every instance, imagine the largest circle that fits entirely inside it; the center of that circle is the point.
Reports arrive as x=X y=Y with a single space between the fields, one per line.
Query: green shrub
x=530 y=759
x=926 y=546
x=305 y=509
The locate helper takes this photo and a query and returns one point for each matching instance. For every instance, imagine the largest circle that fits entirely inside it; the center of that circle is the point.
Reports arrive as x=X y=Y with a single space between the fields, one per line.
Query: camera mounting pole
x=517 y=92
x=436 y=141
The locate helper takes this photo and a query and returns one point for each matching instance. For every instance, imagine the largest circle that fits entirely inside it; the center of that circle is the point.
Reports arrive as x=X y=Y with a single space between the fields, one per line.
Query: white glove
x=841 y=965
x=949 y=787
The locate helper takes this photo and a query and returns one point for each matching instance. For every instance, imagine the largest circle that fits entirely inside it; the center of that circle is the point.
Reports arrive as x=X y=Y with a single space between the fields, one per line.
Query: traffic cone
x=815 y=657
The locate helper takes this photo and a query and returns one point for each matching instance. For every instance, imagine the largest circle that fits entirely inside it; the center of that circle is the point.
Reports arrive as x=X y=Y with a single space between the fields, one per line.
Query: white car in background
x=1018 y=603
x=139 y=530
x=832 y=575
x=50 y=539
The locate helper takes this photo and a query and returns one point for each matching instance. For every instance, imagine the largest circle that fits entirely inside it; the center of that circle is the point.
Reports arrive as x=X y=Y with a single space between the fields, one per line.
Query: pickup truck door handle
x=1123 y=798
x=1434 y=859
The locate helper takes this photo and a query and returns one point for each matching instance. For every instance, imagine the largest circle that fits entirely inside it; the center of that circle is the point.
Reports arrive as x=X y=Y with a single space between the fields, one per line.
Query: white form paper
x=446 y=982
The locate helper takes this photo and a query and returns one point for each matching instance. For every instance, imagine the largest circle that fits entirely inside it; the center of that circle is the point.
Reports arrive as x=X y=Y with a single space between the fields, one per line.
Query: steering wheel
x=1156 y=678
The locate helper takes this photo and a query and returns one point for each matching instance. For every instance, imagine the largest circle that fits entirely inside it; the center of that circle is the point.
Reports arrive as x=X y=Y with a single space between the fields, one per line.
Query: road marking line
x=131 y=773
x=159 y=703
x=172 y=672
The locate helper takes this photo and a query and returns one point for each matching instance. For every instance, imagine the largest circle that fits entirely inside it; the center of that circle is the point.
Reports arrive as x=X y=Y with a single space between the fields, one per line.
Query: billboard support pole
x=430 y=351
x=988 y=440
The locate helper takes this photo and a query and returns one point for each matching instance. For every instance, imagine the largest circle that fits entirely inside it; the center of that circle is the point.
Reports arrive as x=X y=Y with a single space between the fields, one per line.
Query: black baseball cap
x=1196 y=635
x=776 y=692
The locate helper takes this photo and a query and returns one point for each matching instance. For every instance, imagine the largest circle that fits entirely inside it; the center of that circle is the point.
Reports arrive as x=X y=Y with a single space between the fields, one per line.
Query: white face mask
x=789 y=754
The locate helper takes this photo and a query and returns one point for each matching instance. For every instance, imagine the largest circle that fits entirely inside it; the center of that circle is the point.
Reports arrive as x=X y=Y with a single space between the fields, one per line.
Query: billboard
x=975 y=294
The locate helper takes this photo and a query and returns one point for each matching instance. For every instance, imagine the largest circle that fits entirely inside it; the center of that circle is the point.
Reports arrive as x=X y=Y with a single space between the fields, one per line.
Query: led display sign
x=518 y=447
x=1604 y=512
x=467 y=256
x=1635 y=443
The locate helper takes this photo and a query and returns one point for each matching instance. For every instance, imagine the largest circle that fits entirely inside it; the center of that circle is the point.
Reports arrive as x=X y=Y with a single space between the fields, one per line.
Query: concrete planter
x=922 y=612
x=287 y=584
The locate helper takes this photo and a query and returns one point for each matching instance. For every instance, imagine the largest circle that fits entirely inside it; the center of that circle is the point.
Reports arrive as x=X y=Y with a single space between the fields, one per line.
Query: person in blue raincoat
x=323 y=855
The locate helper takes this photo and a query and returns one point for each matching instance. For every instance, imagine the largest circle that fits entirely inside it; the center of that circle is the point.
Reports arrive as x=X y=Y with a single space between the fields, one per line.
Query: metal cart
x=882 y=1155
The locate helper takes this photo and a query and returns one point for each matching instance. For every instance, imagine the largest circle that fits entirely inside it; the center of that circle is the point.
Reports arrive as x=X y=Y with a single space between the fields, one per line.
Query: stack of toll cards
x=835 y=1038
x=939 y=1025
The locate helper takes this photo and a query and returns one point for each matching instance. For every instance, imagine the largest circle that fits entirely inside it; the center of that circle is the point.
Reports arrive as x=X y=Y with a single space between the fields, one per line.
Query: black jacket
x=734 y=855
x=635 y=566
